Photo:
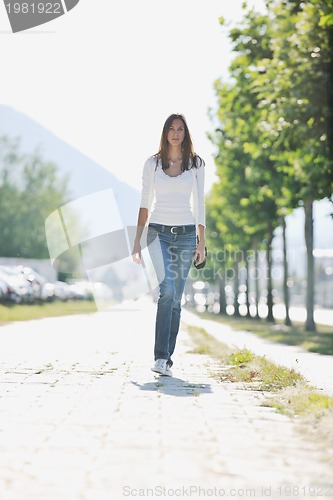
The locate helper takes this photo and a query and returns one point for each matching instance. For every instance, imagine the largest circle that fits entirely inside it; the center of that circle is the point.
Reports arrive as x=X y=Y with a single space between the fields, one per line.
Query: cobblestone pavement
x=82 y=417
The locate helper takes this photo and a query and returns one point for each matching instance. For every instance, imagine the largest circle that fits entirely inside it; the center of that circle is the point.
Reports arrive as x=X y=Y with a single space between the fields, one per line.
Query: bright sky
x=105 y=76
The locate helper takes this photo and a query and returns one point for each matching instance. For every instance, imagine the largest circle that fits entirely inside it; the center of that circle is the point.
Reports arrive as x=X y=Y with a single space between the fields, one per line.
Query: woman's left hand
x=199 y=254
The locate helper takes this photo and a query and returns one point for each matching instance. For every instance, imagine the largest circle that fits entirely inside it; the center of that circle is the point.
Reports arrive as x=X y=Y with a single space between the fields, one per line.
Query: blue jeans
x=172 y=256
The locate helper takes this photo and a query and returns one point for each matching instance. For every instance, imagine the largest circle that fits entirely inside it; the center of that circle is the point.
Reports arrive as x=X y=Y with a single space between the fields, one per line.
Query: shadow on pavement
x=174 y=387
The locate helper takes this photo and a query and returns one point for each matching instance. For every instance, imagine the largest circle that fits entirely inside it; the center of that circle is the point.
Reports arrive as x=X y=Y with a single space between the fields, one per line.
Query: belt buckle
x=173 y=227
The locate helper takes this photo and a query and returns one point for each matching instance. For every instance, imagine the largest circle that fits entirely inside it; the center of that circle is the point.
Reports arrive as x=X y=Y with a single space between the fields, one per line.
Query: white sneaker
x=168 y=372
x=161 y=367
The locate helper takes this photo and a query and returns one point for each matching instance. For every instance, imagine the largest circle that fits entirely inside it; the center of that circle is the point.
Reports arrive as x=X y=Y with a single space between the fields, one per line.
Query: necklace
x=172 y=162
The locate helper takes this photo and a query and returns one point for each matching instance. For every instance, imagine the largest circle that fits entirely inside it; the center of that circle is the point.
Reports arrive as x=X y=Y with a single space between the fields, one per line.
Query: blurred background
x=83 y=103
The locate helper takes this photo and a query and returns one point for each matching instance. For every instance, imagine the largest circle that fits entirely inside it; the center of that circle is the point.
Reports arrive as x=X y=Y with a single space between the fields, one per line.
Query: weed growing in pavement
x=243 y=365
x=206 y=344
x=288 y=390
x=304 y=400
x=239 y=358
x=315 y=410
x=270 y=376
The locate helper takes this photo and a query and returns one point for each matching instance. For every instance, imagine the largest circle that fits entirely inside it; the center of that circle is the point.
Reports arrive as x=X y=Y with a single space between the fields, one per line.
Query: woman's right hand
x=136 y=253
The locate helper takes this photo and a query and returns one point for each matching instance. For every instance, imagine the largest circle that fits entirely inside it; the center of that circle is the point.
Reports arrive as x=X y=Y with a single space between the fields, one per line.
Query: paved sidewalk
x=82 y=417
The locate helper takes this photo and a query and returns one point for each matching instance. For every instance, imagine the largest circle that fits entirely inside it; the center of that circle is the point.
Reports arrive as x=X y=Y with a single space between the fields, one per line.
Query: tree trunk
x=308 y=209
x=270 y=316
x=247 y=291
x=236 y=286
x=222 y=297
x=330 y=93
x=287 y=320
x=256 y=280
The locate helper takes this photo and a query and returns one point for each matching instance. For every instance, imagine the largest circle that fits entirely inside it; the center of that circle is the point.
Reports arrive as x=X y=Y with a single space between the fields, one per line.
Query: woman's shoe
x=160 y=366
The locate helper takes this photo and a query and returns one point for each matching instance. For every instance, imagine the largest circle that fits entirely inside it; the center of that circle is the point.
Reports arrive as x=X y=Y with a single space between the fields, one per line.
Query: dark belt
x=173 y=229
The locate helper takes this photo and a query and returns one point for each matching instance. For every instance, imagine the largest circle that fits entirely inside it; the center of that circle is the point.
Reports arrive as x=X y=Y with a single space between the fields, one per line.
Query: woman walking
x=174 y=177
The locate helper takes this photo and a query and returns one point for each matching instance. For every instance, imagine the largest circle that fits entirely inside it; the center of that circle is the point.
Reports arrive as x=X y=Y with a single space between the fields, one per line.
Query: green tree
x=293 y=88
x=274 y=119
x=245 y=170
x=30 y=190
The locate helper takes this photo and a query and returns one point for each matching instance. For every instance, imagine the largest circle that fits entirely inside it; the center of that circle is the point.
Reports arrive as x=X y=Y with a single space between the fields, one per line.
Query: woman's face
x=176 y=133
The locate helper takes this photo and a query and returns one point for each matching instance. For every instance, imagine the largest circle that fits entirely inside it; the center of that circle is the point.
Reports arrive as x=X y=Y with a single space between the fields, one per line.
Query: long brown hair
x=190 y=158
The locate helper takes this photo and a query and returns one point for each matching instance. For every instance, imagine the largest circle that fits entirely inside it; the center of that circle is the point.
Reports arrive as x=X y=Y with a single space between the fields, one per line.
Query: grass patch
x=24 y=312
x=314 y=409
x=303 y=400
x=268 y=375
x=288 y=390
x=320 y=341
x=243 y=365
x=206 y=344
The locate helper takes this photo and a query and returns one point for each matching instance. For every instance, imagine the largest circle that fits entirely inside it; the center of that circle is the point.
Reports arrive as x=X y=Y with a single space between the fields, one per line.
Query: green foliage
x=244 y=365
x=272 y=133
x=241 y=357
x=303 y=400
x=283 y=63
x=273 y=137
x=293 y=93
x=30 y=190
x=243 y=203
x=277 y=376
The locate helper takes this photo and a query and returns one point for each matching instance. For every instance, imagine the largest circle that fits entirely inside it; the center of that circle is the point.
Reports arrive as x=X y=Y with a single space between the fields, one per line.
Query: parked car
x=5 y=292
x=36 y=280
x=22 y=284
x=20 y=289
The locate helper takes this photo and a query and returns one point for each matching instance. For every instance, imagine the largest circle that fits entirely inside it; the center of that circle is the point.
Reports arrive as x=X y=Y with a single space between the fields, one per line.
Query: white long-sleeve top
x=173 y=201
